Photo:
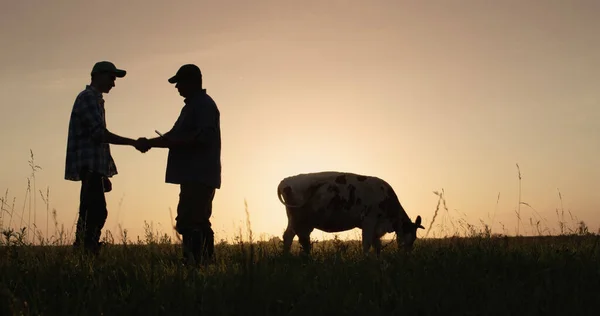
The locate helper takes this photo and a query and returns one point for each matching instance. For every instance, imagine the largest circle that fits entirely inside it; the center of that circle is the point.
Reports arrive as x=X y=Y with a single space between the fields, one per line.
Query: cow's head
x=407 y=234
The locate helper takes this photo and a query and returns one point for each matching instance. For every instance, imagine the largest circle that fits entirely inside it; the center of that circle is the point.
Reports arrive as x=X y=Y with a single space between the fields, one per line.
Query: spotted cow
x=339 y=201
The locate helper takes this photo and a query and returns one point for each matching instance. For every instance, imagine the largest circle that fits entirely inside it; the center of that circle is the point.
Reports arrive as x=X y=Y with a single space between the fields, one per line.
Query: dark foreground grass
x=461 y=276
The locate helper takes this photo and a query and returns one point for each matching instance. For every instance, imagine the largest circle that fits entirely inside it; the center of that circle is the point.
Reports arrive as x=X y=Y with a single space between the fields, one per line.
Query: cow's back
x=341 y=200
x=299 y=189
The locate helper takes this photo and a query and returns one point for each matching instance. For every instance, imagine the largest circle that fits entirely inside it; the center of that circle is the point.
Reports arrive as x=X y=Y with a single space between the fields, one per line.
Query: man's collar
x=196 y=96
x=96 y=91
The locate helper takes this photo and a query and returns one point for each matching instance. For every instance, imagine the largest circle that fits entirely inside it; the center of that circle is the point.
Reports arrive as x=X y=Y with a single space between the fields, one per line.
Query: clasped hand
x=142 y=144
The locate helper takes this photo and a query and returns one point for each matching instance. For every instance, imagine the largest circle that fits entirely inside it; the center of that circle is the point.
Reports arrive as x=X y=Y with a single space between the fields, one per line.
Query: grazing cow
x=339 y=201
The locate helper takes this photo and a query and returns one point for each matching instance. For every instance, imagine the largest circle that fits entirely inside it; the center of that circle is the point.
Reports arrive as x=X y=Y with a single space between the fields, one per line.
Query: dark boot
x=198 y=241
x=203 y=246
x=188 y=249
x=209 y=245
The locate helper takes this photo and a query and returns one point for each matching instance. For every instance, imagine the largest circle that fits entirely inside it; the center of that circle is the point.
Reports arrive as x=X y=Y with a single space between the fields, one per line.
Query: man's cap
x=188 y=72
x=107 y=66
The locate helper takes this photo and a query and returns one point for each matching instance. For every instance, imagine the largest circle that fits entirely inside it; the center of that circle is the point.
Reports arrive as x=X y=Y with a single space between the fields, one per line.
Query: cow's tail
x=280 y=193
x=280 y=188
x=280 y=196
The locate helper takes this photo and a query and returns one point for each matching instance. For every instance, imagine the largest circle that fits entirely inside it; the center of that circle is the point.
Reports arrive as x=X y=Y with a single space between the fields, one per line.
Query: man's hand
x=142 y=144
x=106 y=184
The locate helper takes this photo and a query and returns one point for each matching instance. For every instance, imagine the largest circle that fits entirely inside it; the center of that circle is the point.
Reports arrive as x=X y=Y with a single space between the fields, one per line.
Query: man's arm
x=159 y=142
x=169 y=141
x=89 y=113
x=116 y=139
x=203 y=132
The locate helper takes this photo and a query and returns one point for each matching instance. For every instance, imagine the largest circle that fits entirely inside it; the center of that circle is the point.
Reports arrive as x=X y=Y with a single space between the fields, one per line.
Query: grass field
x=478 y=273
x=557 y=275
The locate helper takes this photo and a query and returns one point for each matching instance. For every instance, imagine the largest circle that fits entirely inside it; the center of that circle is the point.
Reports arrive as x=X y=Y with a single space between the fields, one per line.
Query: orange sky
x=425 y=95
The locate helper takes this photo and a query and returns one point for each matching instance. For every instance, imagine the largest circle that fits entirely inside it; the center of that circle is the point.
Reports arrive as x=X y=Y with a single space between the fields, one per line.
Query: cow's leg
x=368 y=231
x=304 y=239
x=377 y=245
x=288 y=237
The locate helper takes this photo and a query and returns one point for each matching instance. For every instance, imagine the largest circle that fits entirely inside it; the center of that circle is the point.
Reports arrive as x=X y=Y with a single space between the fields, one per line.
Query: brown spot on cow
x=340 y=179
x=313 y=188
x=367 y=211
x=310 y=192
x=361 y=178
x=352 y=196
x=333 y=188
x=336 y=203
x=390 y=204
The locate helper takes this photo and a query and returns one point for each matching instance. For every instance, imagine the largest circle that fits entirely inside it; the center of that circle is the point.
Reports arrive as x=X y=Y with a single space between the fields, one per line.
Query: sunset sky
x=424 y=94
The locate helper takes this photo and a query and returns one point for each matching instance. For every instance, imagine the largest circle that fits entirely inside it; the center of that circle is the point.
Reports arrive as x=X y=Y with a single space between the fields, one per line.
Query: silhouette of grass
x=469 y=271
x=476 y=275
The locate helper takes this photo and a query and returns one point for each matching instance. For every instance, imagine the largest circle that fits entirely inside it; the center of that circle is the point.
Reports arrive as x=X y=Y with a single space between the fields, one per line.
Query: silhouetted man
x=88 y=156
x=194 y=162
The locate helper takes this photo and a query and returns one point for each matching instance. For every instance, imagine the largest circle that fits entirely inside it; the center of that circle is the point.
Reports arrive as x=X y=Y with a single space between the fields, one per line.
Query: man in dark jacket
x=194 y=162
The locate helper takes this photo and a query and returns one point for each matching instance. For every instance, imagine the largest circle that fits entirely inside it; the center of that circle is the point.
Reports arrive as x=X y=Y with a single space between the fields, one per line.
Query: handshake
x=142 y=144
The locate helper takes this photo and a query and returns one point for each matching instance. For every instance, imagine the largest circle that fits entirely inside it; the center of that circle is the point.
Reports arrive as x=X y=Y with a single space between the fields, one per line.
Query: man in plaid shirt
x=88 y=156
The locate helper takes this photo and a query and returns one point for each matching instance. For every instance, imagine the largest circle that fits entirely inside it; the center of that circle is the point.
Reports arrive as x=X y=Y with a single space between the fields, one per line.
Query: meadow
x=471 y=271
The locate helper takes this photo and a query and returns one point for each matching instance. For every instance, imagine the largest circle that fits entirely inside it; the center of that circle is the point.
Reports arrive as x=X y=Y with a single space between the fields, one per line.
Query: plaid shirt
x=86 y=127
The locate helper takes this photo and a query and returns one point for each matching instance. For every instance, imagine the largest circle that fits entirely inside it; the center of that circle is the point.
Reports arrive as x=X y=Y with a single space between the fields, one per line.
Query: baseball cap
x=188 y=72
x=107 y=66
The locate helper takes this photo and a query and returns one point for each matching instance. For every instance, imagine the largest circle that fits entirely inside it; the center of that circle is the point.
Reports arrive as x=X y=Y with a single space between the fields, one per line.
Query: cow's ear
x=418 y=220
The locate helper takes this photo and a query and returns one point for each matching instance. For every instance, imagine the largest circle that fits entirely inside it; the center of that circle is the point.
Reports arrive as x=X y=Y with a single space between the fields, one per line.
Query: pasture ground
x=557 y=275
